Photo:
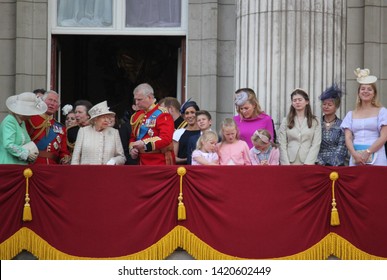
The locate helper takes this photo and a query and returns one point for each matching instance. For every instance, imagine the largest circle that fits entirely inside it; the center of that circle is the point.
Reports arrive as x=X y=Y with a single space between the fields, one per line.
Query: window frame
x=118 y=25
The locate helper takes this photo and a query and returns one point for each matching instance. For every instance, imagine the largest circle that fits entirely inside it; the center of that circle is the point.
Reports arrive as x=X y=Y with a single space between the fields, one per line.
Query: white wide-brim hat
x=99 y=110
x=26 y=104
x=364 y=77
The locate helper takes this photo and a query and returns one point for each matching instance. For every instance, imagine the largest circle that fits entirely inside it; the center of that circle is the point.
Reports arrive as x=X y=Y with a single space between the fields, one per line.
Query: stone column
x=286 y=44
x=7 y=58
x=210 y=56
x=366 y=45
x=31 y=45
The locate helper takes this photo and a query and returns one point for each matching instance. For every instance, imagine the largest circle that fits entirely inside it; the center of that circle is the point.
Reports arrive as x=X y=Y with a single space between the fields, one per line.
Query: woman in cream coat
x=98 y=143
x=300 y=132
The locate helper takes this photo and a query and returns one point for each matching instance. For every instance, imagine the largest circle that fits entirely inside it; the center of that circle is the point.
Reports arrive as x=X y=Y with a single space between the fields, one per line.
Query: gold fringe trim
x=198 y=248
x=181 y=237
x=332 y=244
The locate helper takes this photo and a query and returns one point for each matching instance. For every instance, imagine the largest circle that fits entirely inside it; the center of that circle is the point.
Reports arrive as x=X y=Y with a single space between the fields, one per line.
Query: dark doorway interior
x=100 y=68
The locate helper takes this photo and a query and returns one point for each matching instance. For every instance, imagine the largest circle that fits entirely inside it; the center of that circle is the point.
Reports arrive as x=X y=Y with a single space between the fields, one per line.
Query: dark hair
x=308 y=109
x=85 y=103
x=39 y=90
x=203 y=112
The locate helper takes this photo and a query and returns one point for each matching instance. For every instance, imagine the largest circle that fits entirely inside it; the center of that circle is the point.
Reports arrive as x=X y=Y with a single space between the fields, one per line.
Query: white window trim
x=118 y=27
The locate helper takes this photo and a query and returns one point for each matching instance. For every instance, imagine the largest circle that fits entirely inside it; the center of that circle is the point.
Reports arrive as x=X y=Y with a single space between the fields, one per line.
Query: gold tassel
x=181 y=213
x=27 y=214
x=335 y=220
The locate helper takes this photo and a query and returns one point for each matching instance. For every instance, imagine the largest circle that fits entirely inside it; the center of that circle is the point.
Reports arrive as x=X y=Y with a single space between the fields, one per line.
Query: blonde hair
x=252 y=99
x=206 y=136
x=228 y=123
x=375 y=100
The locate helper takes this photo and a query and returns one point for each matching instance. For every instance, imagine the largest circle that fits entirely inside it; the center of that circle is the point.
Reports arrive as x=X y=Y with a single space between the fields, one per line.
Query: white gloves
x=33 y=151
x=32 y=157
x=111 y=162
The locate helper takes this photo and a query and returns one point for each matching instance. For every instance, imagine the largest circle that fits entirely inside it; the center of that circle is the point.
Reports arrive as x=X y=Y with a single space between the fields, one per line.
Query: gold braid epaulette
x=182 y=125
x=137 y=123
x=162 y=109
x=45 y=125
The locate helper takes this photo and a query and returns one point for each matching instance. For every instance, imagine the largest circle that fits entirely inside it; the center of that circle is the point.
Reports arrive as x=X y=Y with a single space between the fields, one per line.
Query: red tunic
x=155 y=127
x=50 y=137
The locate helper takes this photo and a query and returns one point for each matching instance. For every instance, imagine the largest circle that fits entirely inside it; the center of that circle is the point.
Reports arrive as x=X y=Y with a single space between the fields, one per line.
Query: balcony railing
x=221 y=212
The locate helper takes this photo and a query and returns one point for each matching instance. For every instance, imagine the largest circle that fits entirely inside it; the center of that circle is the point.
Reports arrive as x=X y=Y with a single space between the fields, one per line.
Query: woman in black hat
x=181 y=136
x=333 y=151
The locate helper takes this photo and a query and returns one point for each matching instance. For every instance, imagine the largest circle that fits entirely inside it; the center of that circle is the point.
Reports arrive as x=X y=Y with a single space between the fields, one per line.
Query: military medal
x=56 y=145
x=150 y=122
x=57 y=129
x=150 y=132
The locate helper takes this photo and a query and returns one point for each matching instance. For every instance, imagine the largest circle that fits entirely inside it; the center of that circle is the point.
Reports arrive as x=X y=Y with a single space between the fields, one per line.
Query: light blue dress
x=365 y=132
x=12 y=137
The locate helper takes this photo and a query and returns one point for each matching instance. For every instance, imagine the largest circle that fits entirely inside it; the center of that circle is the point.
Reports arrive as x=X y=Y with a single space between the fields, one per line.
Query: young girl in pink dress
x=264 y=151
x=205 y=153
x=231 y=150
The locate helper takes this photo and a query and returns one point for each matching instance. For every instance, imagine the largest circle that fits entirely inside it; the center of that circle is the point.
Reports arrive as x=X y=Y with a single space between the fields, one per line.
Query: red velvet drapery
x=236 y=212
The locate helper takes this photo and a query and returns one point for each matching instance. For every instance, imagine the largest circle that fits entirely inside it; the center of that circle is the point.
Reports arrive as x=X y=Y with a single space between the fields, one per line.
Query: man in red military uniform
x=152 y=130
x=48 y=134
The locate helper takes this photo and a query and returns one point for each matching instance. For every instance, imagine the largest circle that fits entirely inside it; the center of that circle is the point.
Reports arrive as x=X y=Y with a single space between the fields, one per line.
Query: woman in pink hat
x=366 y=127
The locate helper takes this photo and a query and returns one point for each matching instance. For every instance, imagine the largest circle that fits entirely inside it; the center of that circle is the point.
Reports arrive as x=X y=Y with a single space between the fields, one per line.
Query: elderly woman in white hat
x=365 y=127
x=16 y=146
x=98 y=143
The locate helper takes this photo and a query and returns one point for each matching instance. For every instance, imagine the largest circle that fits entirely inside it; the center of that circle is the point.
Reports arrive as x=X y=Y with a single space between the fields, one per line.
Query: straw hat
x=26 y=104
x=364 y=77
x=99 y=110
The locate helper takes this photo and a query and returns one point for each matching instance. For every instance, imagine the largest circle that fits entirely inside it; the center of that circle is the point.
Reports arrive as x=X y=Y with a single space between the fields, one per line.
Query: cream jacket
x=93 y=147
x=300 y=140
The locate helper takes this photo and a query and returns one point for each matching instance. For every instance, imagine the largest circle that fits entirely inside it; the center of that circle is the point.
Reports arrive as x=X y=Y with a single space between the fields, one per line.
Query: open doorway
x=98 y=67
